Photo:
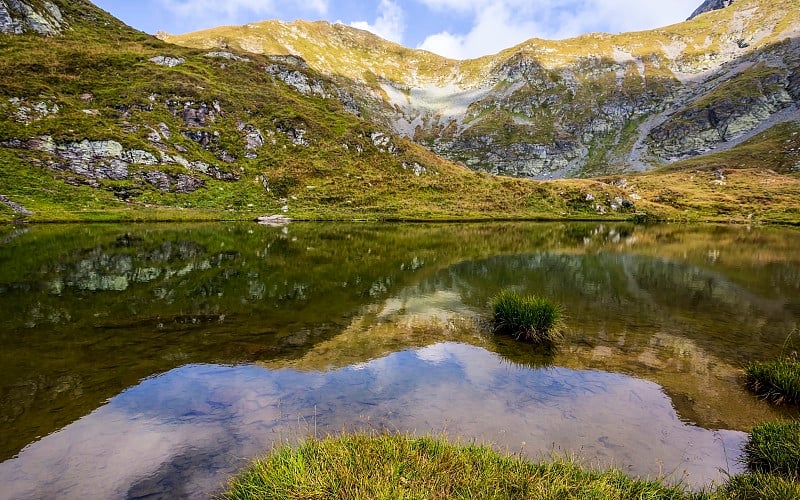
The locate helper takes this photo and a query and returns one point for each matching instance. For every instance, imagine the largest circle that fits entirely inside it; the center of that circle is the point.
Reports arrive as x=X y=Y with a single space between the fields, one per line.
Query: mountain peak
x=710 y=5
x=18 y=16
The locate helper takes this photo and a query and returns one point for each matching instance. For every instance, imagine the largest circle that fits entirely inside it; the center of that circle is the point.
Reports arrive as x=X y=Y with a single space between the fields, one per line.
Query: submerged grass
x=398 y=466
x=530 y=318
x=777 y=381
x=774 y=448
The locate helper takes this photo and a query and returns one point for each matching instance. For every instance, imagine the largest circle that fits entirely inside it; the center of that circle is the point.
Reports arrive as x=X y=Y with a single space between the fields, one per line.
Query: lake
x=149 y=361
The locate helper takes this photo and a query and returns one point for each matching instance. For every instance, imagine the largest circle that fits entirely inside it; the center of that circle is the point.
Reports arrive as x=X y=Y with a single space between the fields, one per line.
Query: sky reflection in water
x=184 y=432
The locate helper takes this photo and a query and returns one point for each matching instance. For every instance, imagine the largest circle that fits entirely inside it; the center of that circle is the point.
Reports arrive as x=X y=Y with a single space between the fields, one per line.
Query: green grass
x=759 y=486
x=777 y=381
x=774 y=448
x=530 y=318
x=397 y=466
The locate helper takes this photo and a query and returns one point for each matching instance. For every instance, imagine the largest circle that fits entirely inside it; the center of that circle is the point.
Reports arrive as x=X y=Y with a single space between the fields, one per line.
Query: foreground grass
x=758 y=486
x=777 y=381
x=774 y=448
x=394 y=466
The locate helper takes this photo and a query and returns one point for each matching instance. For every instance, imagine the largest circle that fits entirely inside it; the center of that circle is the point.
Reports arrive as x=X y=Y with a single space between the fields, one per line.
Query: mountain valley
x=695 y=121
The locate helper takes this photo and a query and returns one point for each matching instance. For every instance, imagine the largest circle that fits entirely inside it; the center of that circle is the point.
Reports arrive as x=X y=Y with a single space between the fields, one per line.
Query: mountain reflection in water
x=198 y=346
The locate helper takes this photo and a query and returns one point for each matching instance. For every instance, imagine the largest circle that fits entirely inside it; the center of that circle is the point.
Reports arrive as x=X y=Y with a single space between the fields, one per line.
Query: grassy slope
x=323 y=180
x=757 y=180
x=100 y=56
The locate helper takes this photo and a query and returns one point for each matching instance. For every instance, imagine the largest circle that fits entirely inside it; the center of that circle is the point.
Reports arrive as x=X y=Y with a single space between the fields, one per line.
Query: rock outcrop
x=710 y=5
x=596 y=104
x=102 y=160
x=18 y=16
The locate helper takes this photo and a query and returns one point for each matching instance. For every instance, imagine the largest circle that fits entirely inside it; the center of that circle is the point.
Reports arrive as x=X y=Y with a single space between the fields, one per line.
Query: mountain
x=591 y=105
x=710 y=5
x=99 y=121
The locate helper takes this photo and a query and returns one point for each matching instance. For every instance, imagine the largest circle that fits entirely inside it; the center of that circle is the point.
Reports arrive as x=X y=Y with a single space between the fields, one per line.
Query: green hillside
x=101 y=122
x=591 y=105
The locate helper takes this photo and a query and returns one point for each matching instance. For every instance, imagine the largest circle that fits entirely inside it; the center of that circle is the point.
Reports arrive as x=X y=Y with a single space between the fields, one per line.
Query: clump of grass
x=531 y=318
x=774 y=448
x=397 y=466
x=777 y=381
x=757 y=486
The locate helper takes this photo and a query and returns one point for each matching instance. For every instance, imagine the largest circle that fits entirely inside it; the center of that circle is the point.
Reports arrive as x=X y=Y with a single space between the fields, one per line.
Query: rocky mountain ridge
x=592 y=105
x=708 y=6
x=102 y=122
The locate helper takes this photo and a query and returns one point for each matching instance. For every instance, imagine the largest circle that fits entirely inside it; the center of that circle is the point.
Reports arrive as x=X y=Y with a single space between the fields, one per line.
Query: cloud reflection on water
x=184 y=432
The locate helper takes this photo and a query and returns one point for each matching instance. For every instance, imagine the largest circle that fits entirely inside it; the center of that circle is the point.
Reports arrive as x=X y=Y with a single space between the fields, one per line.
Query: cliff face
x=592 y=105
x=710 y=5
x=17 y=17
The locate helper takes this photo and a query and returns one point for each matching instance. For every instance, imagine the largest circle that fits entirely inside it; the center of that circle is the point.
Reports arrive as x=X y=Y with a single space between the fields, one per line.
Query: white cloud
x=390 y=23
x=500 y=24
x=494 y=29
x=216 y=12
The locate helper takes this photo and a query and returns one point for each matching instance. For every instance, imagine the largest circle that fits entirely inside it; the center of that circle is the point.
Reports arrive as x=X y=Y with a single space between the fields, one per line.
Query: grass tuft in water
x=777 y=381
x=774 y=448
x=530 y=318
x=397 y=466
x=758 y=486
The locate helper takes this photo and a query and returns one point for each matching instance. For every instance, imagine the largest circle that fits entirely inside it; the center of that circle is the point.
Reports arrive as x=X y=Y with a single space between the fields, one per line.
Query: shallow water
x=155 y=360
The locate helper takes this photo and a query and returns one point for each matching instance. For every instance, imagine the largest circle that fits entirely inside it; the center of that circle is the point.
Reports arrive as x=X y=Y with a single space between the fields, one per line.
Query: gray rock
x=195 y=117
x=17 y=16
x=168 y=61
x=201 y=137
x=295 y=134
x=227 y=55
x=165 y=132
x=297 y=80
x=213 y=171
x=348 y=101
x=225 y=156
x=186 y=184
x=158 y=179
x=16 y=207
x=153 y=135
x=253 y=139
x=139 y=157
x=8 y=24
x=708 y=6
x=27 y=113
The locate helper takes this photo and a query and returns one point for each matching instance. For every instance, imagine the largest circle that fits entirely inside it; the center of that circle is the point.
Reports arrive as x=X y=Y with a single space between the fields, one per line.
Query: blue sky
x=453 y=28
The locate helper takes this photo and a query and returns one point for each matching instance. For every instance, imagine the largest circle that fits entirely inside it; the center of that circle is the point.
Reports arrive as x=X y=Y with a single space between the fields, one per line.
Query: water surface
x=155 y=360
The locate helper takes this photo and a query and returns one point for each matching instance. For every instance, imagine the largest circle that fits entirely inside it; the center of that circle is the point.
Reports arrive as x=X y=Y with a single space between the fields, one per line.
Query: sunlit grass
x=397 y=466
x=774 y=448
x=758 y=486
x=777 y=381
